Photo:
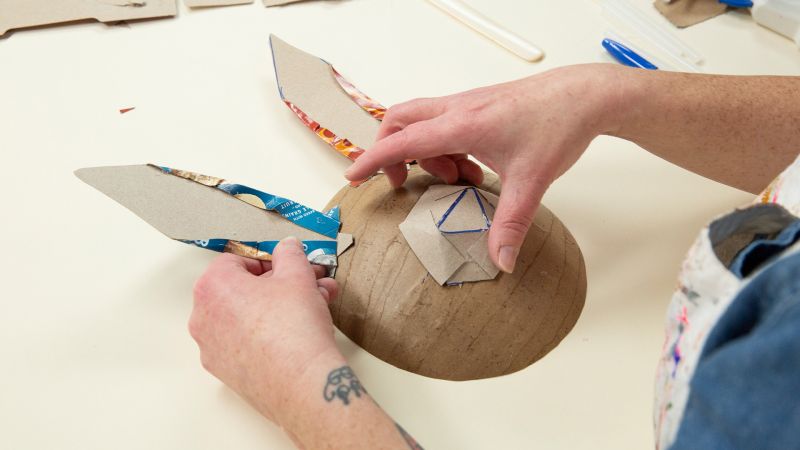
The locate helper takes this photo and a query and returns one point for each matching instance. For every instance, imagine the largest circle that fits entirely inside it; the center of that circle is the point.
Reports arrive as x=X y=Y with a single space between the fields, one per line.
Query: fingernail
x=348 y=171
x=508 y=258
x=291 y=240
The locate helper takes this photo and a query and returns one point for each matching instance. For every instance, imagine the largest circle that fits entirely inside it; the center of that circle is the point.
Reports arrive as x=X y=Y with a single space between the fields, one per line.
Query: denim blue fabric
x=762 y=250
x=745 y=393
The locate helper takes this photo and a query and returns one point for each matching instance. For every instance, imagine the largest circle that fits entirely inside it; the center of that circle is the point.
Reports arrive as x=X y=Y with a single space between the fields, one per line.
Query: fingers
x=404 y=114
x=329 y=289
x=257 y=267
x=397 y=174
x=289 y=260
x=519 y=200
x=397 y=118
x=234 y=265
x=453 y=168
x=442 y=167
x=420 y=140
x=319 y=271
x=469 y=171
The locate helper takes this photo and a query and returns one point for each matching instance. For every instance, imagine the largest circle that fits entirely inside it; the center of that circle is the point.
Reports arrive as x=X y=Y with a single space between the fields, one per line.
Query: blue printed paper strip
x=326 y=224
x=318 y=252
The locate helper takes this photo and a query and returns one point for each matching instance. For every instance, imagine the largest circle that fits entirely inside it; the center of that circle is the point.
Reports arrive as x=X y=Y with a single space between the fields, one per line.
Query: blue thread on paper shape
x=452 y=207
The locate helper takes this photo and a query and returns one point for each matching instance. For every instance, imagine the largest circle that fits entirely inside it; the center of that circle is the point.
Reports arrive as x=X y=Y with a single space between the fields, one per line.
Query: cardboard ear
x=30 y=13
x=188 y=210
x=312 y=89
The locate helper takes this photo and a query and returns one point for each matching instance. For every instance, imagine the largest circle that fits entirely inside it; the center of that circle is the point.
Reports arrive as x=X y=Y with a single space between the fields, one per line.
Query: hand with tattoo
x=260 y=325
x=264 y=329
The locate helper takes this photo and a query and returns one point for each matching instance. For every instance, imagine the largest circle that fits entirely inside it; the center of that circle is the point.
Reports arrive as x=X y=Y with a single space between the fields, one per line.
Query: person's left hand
x=260 y=325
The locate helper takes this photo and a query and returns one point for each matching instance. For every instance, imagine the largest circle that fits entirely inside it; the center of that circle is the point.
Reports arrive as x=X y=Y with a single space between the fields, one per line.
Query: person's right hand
x=528 y=131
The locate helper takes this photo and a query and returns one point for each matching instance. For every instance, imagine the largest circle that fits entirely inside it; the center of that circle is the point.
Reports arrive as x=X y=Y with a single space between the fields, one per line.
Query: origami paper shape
x=329 y=105
x=31 y=13
x=448 y=231
x=217 y=215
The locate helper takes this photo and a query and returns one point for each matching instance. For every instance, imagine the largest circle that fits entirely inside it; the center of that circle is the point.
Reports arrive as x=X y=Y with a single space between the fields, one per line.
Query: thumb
x=289 y=260
x=519 y=200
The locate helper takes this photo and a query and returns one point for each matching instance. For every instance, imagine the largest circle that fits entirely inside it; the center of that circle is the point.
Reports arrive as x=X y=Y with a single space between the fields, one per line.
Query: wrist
x=304 y=393
x=600 y=96
x=624 y=94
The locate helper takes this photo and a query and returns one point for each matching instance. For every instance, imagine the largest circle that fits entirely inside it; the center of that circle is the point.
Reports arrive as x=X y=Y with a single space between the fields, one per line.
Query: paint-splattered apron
x=706 y=287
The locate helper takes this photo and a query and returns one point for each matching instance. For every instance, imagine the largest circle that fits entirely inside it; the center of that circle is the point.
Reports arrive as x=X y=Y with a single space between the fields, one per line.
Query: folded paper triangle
x=448 y=231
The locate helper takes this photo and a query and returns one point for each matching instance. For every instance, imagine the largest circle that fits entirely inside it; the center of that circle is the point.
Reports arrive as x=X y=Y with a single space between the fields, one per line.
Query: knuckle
x=394 y=115
x=203 y=289
x=291 y=259
x=207 y=362
x=394 y=112
x=516 y=223
x=471 y=122
x=405 y=139
x=195 y=328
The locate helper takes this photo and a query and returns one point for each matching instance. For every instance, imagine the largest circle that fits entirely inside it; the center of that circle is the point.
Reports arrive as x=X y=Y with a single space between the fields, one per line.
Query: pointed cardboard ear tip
x=81 y=173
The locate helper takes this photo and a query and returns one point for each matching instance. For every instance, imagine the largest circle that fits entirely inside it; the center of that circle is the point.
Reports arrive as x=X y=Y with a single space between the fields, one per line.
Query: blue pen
x=627 y=56
x=738 y=3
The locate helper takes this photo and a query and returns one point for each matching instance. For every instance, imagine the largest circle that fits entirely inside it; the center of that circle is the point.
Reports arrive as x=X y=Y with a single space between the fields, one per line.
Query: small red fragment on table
x=124 y=110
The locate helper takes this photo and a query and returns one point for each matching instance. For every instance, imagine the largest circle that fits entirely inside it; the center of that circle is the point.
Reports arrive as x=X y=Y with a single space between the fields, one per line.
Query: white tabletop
x=94 y=352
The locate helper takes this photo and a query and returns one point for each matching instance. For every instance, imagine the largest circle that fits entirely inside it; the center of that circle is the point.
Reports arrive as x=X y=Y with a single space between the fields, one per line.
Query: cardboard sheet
x=280 y=2
x=448 y=231
x=211 y=213
x=329 y=105
x=30 y=13
x=204 y=3
x=685 y=13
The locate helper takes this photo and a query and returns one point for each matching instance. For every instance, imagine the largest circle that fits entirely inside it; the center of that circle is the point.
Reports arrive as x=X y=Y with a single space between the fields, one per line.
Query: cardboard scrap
x=334 y=109
x=269 y=3
x=685 y=13
x=204 y=3
x=448 y=231
x=30 y=13
x=211 y=213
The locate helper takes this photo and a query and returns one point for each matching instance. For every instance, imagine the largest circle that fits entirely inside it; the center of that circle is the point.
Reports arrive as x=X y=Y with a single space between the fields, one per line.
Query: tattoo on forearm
x=342 y=382
x=412 y=443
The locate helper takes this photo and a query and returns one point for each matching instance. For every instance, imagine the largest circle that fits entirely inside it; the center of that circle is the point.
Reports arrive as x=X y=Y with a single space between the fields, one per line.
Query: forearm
x=740 y=131
x=329 y=408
